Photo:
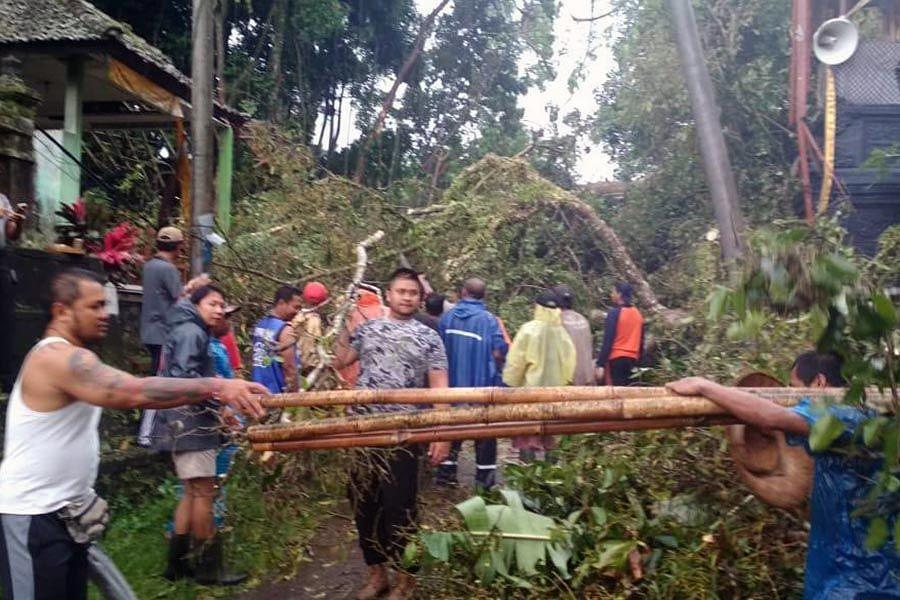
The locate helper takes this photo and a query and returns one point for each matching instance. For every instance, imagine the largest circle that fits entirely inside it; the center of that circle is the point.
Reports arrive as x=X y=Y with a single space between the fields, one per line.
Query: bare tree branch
x=388 y=103
x=337 y=326
x=593 y=18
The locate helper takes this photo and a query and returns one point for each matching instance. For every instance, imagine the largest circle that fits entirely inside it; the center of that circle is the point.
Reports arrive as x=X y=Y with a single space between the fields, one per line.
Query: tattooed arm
x=82 y=375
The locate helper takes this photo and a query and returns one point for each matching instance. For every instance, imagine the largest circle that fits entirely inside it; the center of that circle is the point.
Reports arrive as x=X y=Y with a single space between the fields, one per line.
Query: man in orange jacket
x=623 y=338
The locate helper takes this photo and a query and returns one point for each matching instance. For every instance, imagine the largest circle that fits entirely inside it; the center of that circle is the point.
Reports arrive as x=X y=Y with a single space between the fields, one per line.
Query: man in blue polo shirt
x=277 y=369
x=838 y=564
x=475 y=353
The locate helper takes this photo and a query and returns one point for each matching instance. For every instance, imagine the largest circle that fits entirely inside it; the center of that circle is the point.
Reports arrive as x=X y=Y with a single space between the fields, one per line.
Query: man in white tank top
x=51 y=448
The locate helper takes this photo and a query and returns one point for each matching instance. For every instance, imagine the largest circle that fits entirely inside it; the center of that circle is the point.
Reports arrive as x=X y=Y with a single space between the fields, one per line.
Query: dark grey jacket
x=186 y=354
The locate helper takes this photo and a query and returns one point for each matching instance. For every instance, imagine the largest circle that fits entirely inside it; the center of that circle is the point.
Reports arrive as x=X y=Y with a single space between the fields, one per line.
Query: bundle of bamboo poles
x=499 y=412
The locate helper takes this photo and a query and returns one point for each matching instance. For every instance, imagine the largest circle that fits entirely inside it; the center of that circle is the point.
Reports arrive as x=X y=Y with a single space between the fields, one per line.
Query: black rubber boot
x=211 y=565
x=179 y=565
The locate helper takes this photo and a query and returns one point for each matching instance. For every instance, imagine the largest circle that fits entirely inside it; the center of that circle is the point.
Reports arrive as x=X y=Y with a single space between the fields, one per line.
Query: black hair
x=565 y=295
x=548 y=299
x=405 y=273
x=167 y=245
x=205 y=290
x=626 y=291
x=65 y=286
x=434 y=304
x=285 y=293
x=811 y=364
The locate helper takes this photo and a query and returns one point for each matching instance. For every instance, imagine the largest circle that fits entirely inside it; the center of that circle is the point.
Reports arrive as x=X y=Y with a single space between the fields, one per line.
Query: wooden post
x=202 y=204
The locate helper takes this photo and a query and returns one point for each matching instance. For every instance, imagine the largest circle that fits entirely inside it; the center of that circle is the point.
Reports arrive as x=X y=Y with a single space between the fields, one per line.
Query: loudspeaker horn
x=835 y=41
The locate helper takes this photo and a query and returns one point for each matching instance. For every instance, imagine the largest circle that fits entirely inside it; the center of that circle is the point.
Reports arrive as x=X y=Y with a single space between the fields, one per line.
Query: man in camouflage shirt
x=393 y=352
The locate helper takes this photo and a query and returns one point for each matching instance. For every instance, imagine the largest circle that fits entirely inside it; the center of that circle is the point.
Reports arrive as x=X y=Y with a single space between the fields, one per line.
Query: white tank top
x=50 y=459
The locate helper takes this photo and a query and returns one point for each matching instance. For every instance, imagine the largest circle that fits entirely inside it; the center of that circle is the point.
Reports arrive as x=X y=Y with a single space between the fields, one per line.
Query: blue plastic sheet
x=838 y=566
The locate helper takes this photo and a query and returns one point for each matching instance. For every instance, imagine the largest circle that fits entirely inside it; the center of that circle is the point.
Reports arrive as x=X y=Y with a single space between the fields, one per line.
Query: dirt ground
x=335 y=567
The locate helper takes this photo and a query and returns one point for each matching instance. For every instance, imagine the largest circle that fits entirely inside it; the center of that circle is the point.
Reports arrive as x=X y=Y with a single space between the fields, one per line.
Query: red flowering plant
x=117 y=252
x=84 y=219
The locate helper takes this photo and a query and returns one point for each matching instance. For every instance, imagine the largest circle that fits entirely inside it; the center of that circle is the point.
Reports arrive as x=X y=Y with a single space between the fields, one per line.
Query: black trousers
x=620 y=371
x=485 y=464
x=383 y=492
x=39 y=560
x=155 y=352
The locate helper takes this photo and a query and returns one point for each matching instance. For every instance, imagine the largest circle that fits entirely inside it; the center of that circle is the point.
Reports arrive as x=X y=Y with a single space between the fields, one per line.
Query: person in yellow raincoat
x=542 y=354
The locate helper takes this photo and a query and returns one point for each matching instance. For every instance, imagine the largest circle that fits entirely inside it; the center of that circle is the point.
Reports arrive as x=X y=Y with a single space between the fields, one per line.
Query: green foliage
x=676 y=529
x=644 y=119
x=796 y=270
x=500 y=539
x=496 y=222
x=270 y=516
x=824 y=432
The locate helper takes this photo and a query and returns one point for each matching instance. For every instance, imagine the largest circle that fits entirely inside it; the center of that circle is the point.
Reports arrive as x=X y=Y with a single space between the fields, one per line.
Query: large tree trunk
x=388 y=103
x=280 y=23
x=619 y=258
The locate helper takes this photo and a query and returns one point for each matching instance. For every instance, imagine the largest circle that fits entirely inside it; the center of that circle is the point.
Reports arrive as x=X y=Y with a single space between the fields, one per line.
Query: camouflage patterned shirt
x=396 y=354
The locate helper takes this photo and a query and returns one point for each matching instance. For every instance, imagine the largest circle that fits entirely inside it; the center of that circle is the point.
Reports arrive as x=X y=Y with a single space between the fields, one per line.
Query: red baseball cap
x=315 y=293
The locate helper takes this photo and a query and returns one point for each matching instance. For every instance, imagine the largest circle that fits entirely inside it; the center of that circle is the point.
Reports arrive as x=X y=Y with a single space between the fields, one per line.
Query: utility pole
x=719 y=176
x=202 y=204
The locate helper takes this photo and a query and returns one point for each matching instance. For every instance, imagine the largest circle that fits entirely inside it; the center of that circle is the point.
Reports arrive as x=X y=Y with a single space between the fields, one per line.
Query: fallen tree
x=499 y=219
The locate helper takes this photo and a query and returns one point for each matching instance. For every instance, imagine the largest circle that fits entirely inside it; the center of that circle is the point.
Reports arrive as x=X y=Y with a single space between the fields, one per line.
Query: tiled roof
x=78 y=21
x=23 y=21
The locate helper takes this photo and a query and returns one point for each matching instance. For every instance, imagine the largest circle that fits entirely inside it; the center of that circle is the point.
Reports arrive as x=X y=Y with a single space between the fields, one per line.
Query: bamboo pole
x=617 y=409
x=497 y=395
x=451 y=433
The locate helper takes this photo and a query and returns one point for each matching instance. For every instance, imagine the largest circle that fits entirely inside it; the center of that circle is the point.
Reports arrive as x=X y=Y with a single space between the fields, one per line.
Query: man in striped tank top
x=51 y=448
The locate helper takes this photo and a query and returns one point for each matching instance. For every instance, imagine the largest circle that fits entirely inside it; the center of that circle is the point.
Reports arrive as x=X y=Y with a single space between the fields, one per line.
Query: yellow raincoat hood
x=542 y=353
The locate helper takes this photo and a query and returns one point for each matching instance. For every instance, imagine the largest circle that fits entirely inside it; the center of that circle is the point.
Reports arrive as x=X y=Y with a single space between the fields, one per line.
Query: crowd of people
x=403 y=339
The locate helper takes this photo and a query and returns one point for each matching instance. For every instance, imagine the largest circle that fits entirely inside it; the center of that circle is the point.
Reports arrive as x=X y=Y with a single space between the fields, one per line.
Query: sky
x=570 y=47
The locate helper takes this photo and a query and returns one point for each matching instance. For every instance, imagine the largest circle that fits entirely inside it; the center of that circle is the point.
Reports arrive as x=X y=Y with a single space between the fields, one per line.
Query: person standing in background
x=277 y=370
x=623 y=338
x=434 y=309
x=10 y=229
x=475 y=352
x=542 y=355
x=308 y=325
x=162 y=287
x=368 y=306
x=579 y=329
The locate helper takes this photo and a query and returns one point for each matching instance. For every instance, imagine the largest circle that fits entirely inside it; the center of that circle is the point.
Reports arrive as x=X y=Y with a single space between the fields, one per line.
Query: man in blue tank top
x=277 y=370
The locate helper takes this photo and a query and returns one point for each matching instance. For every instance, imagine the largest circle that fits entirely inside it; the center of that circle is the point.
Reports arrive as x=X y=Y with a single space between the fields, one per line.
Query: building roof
x=69 y=24
x=606 y=188
x=869 y=77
